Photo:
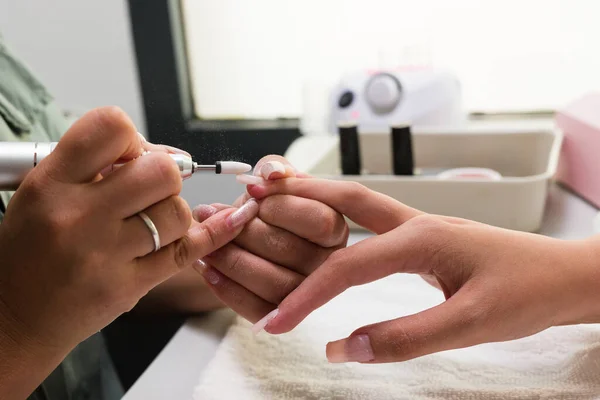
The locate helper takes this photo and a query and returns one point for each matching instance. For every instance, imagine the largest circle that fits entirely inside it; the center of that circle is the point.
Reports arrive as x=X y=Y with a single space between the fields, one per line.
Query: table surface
x=177 y=369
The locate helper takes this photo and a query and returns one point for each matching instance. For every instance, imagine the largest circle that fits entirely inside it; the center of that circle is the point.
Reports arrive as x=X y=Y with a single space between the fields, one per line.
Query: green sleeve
x=27 y=110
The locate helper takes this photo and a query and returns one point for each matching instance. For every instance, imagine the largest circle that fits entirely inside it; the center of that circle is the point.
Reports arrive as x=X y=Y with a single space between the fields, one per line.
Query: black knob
x=346 y=99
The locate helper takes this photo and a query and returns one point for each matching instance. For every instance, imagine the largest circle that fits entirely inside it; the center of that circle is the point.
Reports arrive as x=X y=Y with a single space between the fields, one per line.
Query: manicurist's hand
x=287 y=241
x=499 y=284
x=74 y=251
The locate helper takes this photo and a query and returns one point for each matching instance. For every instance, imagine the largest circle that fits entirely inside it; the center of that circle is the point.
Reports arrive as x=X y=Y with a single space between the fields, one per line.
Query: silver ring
x=152 y=228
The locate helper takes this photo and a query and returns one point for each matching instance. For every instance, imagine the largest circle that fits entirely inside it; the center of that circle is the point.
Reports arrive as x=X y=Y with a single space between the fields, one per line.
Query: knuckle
x=166 y=170
x=435 y=238
x=61 y=222
x=181 y=253
x=237 y=262
x=180 y=211
x=207 y=240
x=430 y=226
x=332 y=229
x=323 y=223
x=37 y=187
x=272 y=207
x=284 y=286
x=113 y=120
x=212 y=237
x=355 y=191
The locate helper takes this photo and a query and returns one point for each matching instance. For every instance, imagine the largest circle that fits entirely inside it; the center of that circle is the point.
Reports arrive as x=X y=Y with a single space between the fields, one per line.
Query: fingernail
x=199 y=265
x=243 y=214
x=249 y=179
x=175 y=150
x=260 y=325
x=355 y=348
x=207 y=272
x=142 y=137
x=271 y=167
x=203 y=211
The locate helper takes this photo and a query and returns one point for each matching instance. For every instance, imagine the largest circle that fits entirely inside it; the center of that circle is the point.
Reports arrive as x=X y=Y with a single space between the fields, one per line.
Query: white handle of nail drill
x=17 y=159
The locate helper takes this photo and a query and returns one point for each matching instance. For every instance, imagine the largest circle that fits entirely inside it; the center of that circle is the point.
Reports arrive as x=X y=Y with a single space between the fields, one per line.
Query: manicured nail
x=271 y=167
x=175 y=150
x=203 y=211
x=260 y=325
x=249 y=179
x=355 y=348
x=243 y=214
x=207 y=272
x=199 y=266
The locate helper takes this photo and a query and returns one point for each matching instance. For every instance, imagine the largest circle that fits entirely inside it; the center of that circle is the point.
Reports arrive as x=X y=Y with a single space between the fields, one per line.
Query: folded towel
x=559 y=363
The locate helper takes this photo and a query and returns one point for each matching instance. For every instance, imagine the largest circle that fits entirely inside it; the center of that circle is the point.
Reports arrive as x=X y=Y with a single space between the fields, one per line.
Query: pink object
x=471 y=173
x=579 y=164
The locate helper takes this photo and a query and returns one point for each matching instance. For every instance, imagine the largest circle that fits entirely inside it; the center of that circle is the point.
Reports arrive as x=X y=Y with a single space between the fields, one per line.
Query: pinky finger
x=235 y=296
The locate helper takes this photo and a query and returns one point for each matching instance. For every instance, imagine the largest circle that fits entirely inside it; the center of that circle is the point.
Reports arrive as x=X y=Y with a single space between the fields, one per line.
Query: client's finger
x=306 y=218
x=238 y=298
x=444 y=327
x=372 y=210
x=275 y=244
x=361 y=263
x=281 y=247
x=264 y=278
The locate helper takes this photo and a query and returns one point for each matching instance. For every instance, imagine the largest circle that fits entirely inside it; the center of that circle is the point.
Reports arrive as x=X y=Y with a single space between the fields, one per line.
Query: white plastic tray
x=526 y=158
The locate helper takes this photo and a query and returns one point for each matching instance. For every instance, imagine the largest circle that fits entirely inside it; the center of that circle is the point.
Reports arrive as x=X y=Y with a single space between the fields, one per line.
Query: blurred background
x=192 y=67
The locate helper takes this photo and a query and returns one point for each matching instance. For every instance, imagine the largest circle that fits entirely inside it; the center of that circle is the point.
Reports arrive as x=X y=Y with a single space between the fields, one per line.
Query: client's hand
x=499 y=284
x=288 y=240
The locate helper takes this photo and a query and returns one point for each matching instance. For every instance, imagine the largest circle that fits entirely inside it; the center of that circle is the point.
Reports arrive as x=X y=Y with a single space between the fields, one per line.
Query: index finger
x=372 y=210
x=200 y=240
x=358 y=264
x=97 y=140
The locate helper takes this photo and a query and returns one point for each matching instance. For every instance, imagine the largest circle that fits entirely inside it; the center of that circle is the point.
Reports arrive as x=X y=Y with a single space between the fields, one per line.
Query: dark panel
x=160 y=52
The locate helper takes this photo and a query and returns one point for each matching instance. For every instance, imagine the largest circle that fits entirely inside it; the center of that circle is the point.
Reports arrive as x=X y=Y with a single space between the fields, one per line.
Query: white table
x=176 y=371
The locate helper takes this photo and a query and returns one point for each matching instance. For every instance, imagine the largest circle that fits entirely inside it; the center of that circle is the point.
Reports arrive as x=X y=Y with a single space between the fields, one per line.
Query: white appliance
x=377 y=99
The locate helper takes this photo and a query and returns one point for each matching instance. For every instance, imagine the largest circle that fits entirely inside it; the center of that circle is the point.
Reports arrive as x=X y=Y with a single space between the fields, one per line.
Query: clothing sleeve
x=27 y=110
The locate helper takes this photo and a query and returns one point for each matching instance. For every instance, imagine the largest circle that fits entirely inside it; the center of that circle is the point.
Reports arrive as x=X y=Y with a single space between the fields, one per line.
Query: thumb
x=444 y=327
x=98 y=139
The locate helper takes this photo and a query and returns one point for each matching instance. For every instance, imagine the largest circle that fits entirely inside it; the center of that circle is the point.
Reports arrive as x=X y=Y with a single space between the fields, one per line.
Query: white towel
x=559 y=363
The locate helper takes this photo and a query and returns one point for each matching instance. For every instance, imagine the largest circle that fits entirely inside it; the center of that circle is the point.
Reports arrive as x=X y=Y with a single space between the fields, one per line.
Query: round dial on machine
x=383 y=93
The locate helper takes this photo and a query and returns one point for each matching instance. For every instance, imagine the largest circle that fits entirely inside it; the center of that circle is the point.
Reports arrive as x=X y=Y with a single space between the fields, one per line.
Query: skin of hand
x=183 y=293
x=289 y=239
x=74 y=252
x=499 y=284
